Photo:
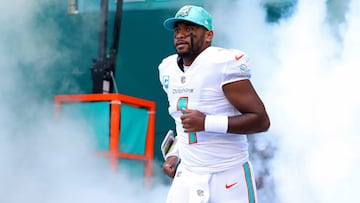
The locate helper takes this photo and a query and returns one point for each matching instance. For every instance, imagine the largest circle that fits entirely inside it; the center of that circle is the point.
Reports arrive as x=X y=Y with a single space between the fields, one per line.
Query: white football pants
x=232 y=186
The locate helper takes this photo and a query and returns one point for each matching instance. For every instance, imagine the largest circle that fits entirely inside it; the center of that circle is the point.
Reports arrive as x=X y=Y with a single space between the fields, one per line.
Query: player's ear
x=209 y=36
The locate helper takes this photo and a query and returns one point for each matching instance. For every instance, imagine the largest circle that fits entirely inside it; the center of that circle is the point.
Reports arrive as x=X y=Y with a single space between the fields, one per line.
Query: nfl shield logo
x=200 y=193
x=183 y=79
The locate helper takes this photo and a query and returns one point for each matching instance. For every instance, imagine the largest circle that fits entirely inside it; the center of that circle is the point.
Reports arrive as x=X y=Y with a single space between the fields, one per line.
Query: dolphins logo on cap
x=183 y=12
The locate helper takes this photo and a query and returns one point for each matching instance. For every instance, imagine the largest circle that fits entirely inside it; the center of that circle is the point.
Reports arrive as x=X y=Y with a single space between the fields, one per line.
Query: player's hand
x=169 y=167
x=192 y=120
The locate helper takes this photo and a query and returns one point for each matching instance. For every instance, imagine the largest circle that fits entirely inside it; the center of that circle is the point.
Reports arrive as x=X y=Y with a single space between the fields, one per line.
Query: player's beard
x=195 y=47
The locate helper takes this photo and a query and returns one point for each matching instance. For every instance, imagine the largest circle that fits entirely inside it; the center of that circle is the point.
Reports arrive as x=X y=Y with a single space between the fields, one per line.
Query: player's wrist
x=218 y=124
x=173 y=156
x=173 y=151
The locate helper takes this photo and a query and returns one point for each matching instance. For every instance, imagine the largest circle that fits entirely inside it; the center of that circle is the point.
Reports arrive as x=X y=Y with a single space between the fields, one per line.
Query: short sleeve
x=164 y=68
x=236 y=68
x=164 y=79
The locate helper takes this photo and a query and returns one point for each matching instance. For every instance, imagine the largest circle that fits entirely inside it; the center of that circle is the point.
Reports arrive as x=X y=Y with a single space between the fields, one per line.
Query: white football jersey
x=200 y=88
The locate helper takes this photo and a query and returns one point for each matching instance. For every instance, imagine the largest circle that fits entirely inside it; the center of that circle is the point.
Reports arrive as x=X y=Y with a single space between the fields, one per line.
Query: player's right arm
x=171 y=159
x=169 y=167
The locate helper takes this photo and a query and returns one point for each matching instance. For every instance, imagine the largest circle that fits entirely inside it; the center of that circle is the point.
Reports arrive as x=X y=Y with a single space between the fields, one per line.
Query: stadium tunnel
x=136 y=65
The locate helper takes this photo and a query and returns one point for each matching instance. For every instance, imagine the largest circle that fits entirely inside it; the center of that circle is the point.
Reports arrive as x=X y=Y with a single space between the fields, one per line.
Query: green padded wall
x=133 y=129
x=96 y=117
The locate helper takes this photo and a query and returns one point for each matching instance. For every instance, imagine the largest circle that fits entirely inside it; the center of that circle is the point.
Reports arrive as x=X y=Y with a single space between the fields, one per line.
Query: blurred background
x=304 y=56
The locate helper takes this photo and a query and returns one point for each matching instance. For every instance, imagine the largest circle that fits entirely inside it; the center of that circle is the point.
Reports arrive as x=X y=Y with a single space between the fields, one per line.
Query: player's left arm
x=254 y=118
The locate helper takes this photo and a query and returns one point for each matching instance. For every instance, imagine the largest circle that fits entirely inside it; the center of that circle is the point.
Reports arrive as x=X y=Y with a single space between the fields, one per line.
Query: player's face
x=190 y=39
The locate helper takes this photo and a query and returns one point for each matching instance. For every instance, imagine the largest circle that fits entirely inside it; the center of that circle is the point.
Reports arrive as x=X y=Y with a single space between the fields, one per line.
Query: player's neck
x=189 y=59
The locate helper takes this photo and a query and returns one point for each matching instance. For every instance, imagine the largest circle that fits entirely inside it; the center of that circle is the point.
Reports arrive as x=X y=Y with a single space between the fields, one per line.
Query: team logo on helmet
x=183 y=12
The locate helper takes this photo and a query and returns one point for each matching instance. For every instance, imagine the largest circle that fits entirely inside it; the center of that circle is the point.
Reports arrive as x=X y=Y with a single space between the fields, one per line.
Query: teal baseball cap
x=193 y=14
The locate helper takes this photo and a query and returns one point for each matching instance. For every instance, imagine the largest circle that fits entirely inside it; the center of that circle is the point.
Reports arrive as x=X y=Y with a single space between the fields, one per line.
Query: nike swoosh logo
x=230 y=186
x=239 y=57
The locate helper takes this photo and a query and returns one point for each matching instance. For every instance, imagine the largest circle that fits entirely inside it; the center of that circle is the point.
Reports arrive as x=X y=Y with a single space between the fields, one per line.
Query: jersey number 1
x=182 y=104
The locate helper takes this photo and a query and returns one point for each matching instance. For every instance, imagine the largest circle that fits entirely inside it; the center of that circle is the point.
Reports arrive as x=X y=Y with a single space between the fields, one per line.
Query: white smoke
x=305 y=69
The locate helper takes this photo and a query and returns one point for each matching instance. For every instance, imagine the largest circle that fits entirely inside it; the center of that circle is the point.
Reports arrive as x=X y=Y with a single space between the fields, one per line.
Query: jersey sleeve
x=163 y=76
x=236 y=68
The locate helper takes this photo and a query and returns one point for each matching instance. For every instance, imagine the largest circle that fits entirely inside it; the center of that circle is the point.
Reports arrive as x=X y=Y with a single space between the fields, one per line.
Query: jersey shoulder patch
x=237 y=67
